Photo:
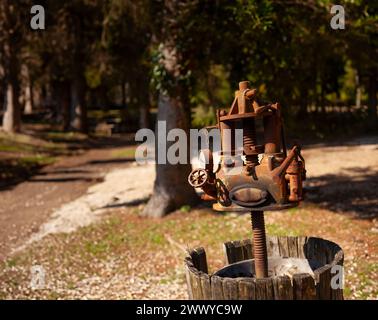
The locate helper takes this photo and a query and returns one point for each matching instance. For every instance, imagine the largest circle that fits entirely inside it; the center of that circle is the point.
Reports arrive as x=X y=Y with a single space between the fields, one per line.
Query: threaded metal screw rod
x=259 y=244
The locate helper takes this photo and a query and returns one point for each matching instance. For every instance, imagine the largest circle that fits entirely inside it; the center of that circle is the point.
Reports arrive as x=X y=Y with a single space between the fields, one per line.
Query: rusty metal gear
x=198 y=178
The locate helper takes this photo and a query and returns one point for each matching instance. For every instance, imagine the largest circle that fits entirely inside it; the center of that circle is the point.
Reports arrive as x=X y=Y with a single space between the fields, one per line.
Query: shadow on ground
x=22 y=160
x=355 y=192
x=132 y=203
x=107 y=161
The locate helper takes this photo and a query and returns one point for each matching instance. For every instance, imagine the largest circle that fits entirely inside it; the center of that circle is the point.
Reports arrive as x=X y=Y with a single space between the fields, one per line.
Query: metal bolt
x=259 y=244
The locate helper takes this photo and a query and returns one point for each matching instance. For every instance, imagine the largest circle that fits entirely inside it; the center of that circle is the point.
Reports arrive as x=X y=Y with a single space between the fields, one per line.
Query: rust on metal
x=270 y=179
x=259 y=243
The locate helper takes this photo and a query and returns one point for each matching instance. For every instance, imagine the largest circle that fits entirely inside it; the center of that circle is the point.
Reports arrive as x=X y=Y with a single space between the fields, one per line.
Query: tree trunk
x=171 y=188
x=123 y=93
x=78 y=82
x=372 y=104
x=28 y=108
x=78 y=107
x=358 y=90
x=144 y=116
x=102 y=97
x=28 y=90
x=143 y=101
x=12 y=115
x=47 y=96
x=63 y=104
x=37 y=97
x=303 y=103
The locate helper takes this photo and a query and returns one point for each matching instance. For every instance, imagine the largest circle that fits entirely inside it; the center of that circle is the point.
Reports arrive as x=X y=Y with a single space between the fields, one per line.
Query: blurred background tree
x=12 y=38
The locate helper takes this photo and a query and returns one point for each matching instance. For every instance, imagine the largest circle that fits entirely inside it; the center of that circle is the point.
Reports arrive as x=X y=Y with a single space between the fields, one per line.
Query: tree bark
x=358 y=90
x=28 y=90
x=123 y=92
x=171 y=188
x=63 y=96
x=143 y=101
x=78 y=83
x=144 y=116
x=303 y=103
x=12 y=115
x=372 y=103
x=28 y=108
x=78 y=107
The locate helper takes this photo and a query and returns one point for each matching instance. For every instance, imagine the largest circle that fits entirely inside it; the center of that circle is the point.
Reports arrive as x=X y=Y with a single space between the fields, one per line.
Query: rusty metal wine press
x=270 y=177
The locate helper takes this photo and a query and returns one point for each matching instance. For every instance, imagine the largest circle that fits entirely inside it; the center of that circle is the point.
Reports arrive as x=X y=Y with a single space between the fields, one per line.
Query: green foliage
x=185 y=208
x=203 y=117
x=125 y=153
x=286 y=49
x=93 y=77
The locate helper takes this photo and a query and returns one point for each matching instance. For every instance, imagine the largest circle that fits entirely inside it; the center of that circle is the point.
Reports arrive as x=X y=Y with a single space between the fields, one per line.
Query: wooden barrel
x=300 y=286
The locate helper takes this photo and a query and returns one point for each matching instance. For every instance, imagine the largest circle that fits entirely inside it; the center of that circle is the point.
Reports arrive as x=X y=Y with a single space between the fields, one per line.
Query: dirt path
x=24 y=207
x=344 y=179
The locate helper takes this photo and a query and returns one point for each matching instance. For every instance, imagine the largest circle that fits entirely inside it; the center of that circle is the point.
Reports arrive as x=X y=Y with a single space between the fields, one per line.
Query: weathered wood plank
x=310 y=248
x=338 y=255
x=205 y=286
x=283 y=289
x=338 y=258
x=304 y=287
x=264 y=289
x=283 y=247
x=238 y=251
x=230 y=289
x=188 y=261
x=337 y=293
x=269 y=289
x=329 y=251
x=247 y=289
x=196 y=284
x=247 y=249
x=292 y=246
x=216 y=288
x=321 y=251
x=273 y=246
x=198 y=256
x=188 y=281
x=323 y=280
x=229 y=252
x=301 y=244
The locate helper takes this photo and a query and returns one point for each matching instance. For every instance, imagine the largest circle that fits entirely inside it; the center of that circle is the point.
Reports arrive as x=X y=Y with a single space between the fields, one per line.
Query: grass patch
x=11 y=262
x=70 y=136
x=128 y=152
x=37 y=160
x=21 y=168
x=367 y=286
x=185 y=208
x=21 y=143
x=4 y=147
x=96 y=248
x=23 y=155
